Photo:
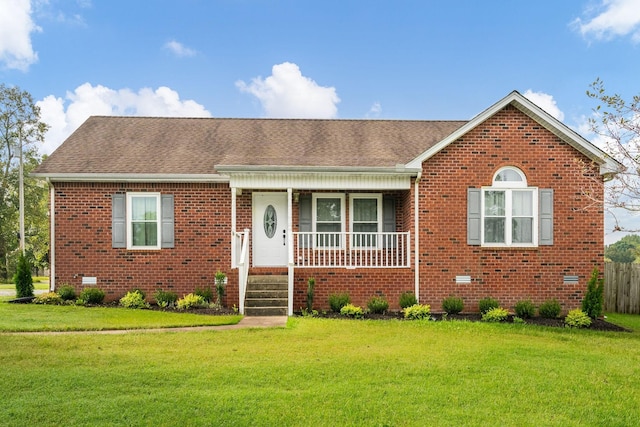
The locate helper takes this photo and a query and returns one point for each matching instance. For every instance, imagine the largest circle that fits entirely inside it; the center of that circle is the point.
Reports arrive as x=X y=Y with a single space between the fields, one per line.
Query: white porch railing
x=240 y=260
x=352 y=250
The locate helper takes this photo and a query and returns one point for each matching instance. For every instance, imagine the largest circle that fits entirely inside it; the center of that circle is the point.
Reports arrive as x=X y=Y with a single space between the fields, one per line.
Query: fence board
x=622 y=287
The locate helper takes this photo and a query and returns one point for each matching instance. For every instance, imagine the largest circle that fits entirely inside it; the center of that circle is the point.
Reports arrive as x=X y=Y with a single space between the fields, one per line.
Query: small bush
x=23 y=279
x=206 y=293
x=577 y=319
x=407 y=299
x=133 y=299
x=518 y=320
x=377 y=305
x=418 y=312
x=497 y=314
x=165 y=299
x=487 y=304
x=191 y=301
x=452 y=305
x=92 y=296
x=221 y=282
x=550 y=309
x=351 y=310
x=48 y=298
x=594 y=298
x=311 y=285
x=525 y=309
x=337 y=301
x=67 y=293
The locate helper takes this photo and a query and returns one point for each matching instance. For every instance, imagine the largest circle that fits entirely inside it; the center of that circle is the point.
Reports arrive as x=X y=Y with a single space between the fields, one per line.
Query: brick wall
x=202 y=240
x=509 y=138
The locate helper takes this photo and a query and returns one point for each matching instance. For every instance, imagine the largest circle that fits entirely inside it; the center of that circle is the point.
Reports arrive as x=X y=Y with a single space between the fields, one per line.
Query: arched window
x=509 y=210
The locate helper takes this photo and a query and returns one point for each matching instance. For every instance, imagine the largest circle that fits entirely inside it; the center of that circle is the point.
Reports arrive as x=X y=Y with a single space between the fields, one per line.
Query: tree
x=617 y=122
x=20 y=129
x=624 y=250
x=594 y=298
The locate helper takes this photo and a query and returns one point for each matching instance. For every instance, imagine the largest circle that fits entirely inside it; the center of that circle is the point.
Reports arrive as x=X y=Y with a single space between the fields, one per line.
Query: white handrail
x=352 y=249
x=242 y=264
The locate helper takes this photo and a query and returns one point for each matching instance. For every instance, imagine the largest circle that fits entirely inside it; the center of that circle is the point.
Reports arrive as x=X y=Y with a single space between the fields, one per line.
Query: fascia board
x=121 y=177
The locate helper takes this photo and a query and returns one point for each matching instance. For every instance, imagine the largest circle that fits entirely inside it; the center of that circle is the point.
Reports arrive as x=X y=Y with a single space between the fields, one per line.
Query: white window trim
x=378 y=197
x=129 y=206
x=509 y=187
x=314 y=215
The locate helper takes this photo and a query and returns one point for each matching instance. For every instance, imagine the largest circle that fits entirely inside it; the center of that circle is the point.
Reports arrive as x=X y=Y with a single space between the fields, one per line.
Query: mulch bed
x=596 y=324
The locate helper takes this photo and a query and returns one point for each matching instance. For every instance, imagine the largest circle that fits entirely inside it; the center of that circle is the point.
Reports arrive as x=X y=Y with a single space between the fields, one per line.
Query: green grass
x=35 y=317
x=327 y=372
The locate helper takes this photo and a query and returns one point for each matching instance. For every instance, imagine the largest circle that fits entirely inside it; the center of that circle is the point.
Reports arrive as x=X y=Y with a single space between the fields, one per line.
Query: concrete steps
x=266 y=296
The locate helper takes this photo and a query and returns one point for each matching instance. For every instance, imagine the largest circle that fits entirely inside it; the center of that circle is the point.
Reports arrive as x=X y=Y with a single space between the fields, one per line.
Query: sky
x=347 y=59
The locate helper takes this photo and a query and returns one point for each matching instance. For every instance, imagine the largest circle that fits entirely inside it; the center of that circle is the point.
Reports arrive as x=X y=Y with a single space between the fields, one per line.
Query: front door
x=270 y=224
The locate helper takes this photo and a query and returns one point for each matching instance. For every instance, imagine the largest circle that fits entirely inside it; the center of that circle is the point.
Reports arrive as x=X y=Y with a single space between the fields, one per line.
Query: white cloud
x=178 y=49
x=611 y=18
x=546 y=102
x=375 y=110
x=16 y=26
x=287 y=93
x=65 y=115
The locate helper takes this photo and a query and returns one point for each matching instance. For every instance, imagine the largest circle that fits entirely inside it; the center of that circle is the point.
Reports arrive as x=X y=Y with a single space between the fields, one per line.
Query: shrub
x=594 y=298
x=351 y=310
x=92 y=296
x=221 y=281
x=407 y=299
x=418 y=312
x=48 y=298
x=191 y=301
x=452 y=305
x=550 y=309
x=134 y=299
x=311 y=284
x=577 y=319
x=165 y=299
x=22 y=278
x=377 y=305
x=525 y=309
x=487 y=304
x=497 y=314
x=67 y=293
x=206 y=293
x=337 y=301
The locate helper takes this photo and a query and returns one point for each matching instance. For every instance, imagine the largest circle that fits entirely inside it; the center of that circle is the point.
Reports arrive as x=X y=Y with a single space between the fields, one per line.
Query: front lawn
x=327 y=372
x=36 y=317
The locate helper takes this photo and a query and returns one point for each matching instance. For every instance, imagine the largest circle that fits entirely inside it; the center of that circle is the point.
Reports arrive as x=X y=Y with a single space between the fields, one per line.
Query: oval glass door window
x=270 y=221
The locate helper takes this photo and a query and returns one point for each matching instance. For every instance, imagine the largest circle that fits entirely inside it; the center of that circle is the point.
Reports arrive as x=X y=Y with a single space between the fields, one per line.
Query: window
x=366 y=216
x=143 y=220
x=328 y=219
x=509 y=211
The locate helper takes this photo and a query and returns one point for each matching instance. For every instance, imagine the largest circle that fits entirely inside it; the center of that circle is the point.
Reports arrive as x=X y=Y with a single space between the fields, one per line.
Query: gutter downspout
x=52 y=236
x=416 y=239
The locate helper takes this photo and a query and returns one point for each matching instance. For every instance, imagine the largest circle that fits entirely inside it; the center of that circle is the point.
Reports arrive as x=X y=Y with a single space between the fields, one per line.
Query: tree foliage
x=20 y=126
x=624 y=250
x=617 y=123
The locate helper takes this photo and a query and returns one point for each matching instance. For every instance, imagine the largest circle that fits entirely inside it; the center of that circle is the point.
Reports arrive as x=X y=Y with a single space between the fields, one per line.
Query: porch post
x=290 y=250
x=52 y=237
x=416 y=239
x=234 y=255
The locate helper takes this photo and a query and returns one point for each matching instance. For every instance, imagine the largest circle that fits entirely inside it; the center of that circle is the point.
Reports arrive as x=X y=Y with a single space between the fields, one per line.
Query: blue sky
x=322 y=59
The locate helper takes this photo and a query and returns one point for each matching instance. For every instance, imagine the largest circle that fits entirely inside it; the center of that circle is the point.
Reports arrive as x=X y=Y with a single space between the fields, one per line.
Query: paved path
x=246 y=323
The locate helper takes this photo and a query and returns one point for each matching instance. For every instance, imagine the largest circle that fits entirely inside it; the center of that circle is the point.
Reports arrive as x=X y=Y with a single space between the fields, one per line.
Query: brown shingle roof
x=151 y=145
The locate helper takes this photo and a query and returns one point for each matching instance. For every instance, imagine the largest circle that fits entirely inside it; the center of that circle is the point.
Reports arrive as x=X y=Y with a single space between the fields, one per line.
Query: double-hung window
x=366 y=218
x=143 y=220
x=328 y=219
x=509 y=210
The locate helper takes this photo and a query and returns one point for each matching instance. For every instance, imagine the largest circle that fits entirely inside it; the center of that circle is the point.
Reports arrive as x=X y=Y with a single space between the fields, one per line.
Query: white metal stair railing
x=352 y=249
x=240 y=260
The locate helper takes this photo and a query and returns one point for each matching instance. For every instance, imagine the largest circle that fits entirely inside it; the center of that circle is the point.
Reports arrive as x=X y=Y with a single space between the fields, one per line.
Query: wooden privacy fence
x=622 y=287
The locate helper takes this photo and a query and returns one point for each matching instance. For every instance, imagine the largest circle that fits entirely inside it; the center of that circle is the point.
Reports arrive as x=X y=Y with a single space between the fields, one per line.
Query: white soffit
x=334 y=181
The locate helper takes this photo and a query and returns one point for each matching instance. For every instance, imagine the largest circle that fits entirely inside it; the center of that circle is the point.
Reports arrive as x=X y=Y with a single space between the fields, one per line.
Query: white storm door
x=270 y=227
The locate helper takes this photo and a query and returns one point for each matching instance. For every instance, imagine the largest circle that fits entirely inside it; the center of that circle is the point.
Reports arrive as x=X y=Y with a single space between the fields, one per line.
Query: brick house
x=493 y=206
